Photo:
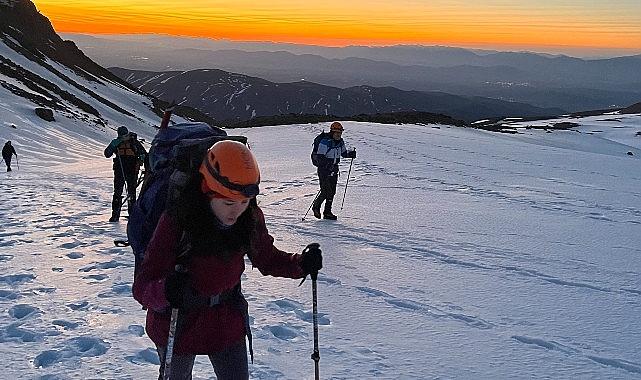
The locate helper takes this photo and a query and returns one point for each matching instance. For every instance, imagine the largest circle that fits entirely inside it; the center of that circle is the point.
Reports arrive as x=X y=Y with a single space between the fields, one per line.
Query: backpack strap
x=184 y=247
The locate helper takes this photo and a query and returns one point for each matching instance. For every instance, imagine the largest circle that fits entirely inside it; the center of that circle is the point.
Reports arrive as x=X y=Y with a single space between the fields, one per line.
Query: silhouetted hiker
x=129 y=155
x=327 y=154
x=7 y=152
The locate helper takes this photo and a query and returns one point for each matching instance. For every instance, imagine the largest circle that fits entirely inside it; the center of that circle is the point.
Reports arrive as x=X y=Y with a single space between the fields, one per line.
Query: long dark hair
x=207 y=235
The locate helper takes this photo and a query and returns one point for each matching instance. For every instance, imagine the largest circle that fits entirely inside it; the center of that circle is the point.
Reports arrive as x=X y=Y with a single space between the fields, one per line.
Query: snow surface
x=459 y=254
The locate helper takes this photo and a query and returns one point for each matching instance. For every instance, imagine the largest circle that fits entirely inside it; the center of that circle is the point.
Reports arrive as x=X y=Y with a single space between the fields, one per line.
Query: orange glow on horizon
x=361 y=22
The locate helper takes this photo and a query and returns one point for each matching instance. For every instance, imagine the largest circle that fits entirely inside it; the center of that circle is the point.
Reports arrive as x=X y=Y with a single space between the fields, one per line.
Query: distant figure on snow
x=331 y=148
x=130 y=154
x=7 y=152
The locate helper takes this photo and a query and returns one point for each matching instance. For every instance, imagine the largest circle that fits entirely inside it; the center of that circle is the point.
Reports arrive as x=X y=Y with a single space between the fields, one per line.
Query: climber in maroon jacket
x=208 y=232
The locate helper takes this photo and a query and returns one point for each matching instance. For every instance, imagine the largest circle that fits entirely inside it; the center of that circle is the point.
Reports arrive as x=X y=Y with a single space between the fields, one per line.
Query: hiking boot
x=329 y=215
x=317 y=213
x=116 y=203
x=8 y=169
x=115 y=215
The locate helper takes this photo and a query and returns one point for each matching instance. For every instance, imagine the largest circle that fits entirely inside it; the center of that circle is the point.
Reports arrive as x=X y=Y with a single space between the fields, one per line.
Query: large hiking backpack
x=317 y=141
x=176 y=153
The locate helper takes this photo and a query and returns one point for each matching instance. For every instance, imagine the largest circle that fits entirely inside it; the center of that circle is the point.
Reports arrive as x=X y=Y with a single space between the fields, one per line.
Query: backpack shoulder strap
x=184 y=249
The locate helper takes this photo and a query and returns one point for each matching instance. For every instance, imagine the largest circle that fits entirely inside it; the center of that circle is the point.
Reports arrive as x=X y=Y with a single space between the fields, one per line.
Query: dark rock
x=635 y=108
x=45 y=114
x=565 y=125
x=630 y=154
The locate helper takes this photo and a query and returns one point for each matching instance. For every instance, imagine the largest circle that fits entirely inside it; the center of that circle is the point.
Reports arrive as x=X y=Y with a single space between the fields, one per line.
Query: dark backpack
x=175 y=155
x=317 y=141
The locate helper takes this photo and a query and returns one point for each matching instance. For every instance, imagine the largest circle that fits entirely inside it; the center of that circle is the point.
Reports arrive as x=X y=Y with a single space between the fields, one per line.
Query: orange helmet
x=230 y=170
x=336 y=127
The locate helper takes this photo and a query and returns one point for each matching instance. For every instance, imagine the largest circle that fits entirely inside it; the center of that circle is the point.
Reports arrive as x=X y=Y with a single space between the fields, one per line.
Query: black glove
x=181 y=295
x=311 y=260
x=351 y=153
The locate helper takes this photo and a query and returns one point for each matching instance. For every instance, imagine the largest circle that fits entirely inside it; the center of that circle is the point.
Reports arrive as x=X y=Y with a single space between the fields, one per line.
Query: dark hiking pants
x=129 y=177
x=7 y=161
x=230 y=364
x=327 y=192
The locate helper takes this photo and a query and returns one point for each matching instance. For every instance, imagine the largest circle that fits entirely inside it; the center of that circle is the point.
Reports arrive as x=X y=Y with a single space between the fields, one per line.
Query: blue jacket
x=329 y=154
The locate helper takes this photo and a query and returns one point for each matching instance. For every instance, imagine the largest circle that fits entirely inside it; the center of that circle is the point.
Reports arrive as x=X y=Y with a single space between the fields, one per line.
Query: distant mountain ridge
x=557 y=81
x=234 y=97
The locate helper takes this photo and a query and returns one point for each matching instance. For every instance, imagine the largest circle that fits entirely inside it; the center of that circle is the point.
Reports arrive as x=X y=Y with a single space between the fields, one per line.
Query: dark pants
x=130 y=177
x=7 y=160
x=230 y=364
x=327 y=192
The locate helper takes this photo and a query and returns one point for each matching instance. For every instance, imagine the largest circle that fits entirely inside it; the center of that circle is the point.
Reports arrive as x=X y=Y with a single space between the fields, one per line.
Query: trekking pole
x=316 y=353
x=122 y=170
x=17 y=163
x=173 y=323
x=310 y=206
x=170 y=344
x=138 y=182
x=347 y=182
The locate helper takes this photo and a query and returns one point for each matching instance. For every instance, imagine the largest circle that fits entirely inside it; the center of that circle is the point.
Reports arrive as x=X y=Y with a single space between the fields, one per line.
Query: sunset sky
x=508 y=24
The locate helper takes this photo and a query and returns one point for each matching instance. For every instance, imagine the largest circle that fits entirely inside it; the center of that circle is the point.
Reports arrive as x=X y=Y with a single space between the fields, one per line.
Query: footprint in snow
x=117 y=290
x=80 y=305
x=146 y=356
x=96 y=277
x=22 y=311
x=284 y=332
x=290 y=306
x=83 y=346
x=17 y=279
x=8 y=295
x=106 y=265
x=70 y=245
x=67 y=325
x=15 y=333
x=75 y=255
x=136 y=330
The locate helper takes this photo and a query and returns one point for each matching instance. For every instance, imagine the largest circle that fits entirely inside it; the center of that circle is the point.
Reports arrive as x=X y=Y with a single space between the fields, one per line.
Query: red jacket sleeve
x=270 y=260
x=149 y=284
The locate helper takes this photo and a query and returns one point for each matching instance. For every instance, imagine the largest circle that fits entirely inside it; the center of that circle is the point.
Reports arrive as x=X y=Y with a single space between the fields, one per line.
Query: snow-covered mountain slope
x=40 y=70
x=459 y=254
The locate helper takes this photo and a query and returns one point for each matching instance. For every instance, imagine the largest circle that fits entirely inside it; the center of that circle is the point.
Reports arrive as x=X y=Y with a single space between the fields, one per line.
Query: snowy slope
x=459 y=254
x=40 y=70
x=31 y=134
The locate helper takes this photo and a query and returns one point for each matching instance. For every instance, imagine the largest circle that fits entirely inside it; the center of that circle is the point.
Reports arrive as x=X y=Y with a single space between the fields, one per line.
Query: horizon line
x=549 y=49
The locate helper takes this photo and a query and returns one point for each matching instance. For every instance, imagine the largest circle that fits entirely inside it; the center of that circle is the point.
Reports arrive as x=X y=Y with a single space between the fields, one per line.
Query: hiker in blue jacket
x=129 y=155
x=328 y=154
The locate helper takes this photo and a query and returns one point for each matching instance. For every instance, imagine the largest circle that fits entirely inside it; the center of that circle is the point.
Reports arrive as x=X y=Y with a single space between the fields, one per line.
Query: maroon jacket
x=214 y=328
